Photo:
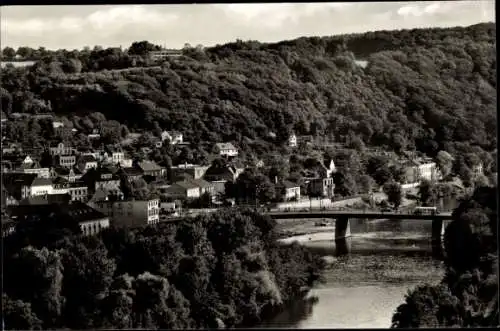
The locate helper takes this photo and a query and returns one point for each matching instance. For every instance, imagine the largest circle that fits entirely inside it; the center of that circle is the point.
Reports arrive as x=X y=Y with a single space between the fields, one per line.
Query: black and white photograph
x=315 y=165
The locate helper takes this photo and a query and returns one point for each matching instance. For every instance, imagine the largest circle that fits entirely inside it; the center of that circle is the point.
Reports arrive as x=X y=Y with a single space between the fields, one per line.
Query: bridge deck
x=357 y=214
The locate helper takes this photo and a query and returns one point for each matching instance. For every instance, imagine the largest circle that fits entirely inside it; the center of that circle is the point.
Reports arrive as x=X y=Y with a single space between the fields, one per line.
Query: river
x=363 y=290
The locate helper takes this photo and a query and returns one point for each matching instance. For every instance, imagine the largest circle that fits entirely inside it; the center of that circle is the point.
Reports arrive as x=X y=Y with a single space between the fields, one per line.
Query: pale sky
x=73 y=26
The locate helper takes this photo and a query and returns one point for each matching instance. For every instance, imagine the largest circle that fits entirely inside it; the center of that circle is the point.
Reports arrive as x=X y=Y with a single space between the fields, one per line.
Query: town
x=105 y=186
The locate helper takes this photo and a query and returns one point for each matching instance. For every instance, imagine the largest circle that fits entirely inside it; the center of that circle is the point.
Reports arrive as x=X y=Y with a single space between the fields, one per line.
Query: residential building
x=21 y=186
x=34 y=168
x=102 y=178
x=183 y=190
x=292 y=140
x=193 y=170
x=417 y=170
x=89 y=220
x=71 y=174
x=326 y=169
x=322 y=187
x=227 y=173
x=290 y=191
x=86 y=162
x=78 y=190
x=61 y=149
x=132 y=173
x=173 y=137
x=226 y=149
x=190 y=189
x=66 y=161
x=8 y=227
x=164 y=54
x=477 y=169
x=150 y=168
x=57 y=125
x=131 y=213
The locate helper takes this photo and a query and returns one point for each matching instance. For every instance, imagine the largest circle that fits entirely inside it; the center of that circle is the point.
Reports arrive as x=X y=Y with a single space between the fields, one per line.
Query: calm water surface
x=388 y=258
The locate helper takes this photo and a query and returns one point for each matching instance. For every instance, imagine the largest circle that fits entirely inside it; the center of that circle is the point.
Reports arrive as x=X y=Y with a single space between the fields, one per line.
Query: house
x=11 y=148
x=292 y=140
x=86 y=162
x=21 y=186
x=226 y=149
x=194 y=171
x=322 y=187
x=102 y=178
x=173 y=137
x=226 y=172
x=136 y=212
x=57 y=125
x=77 y=190
x=46 y=199
x=131 y=173
x=71 y=174
x=131 y=213
x=477 y=169
x=417 y=170
x=290 y=191
x=33 y=168
x=326 y=169
x=164 y=54
x=183 y=190
x=8 y=227
x=150 y=168
x=66 y=161
x=61 y=149
x=190 y=189
x=89 y=220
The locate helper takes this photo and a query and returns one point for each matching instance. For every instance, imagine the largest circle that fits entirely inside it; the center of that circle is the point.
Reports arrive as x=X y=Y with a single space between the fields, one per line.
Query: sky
x=73 y=26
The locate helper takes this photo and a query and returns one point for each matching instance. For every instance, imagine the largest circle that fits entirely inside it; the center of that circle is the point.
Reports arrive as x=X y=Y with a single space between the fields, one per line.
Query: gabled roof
x=149 y=166
x=185 y=184
x=131 y=171
x=41 y=182
x=200 y=183
x=289 y=184
x=86 y=159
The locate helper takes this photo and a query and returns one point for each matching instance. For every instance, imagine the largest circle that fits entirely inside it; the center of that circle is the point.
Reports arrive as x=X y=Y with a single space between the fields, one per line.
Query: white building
x=226 y=149
x=292 y=140
x=174 y=137
x=130 y=213
x=61 y=149
x=40 y=186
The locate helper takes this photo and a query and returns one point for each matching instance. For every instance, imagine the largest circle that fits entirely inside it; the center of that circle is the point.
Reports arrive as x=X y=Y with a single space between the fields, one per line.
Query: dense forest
x=421 y=90
x=220 y=270
x=468 y=294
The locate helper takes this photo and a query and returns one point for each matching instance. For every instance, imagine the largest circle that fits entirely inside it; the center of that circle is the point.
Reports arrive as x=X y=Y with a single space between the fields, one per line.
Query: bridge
x=342 y=226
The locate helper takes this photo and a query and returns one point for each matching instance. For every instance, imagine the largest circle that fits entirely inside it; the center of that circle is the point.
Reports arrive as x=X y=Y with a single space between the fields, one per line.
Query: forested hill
x=429 y=89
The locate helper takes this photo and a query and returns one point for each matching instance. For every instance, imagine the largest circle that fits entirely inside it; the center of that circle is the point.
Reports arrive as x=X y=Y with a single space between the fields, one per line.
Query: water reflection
x=363 y=289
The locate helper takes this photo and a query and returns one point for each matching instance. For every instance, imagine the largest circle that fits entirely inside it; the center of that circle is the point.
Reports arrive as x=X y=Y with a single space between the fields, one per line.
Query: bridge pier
x=438 y=228
x=342 y=236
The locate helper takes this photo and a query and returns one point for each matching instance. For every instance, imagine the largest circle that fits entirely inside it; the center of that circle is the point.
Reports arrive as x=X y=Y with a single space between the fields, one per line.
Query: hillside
x=422 y=89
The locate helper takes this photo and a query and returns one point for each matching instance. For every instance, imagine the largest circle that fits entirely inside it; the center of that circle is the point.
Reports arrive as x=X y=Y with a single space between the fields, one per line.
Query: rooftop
x=225 y=146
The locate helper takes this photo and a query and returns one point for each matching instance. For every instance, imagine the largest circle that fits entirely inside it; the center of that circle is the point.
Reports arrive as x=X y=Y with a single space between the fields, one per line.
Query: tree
x=394 y=193
x=427 y=193
x=8 y=53
x=344 y=184
x=445 y=162
x=142 y=48
x=18 y=315
x=366 y=183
